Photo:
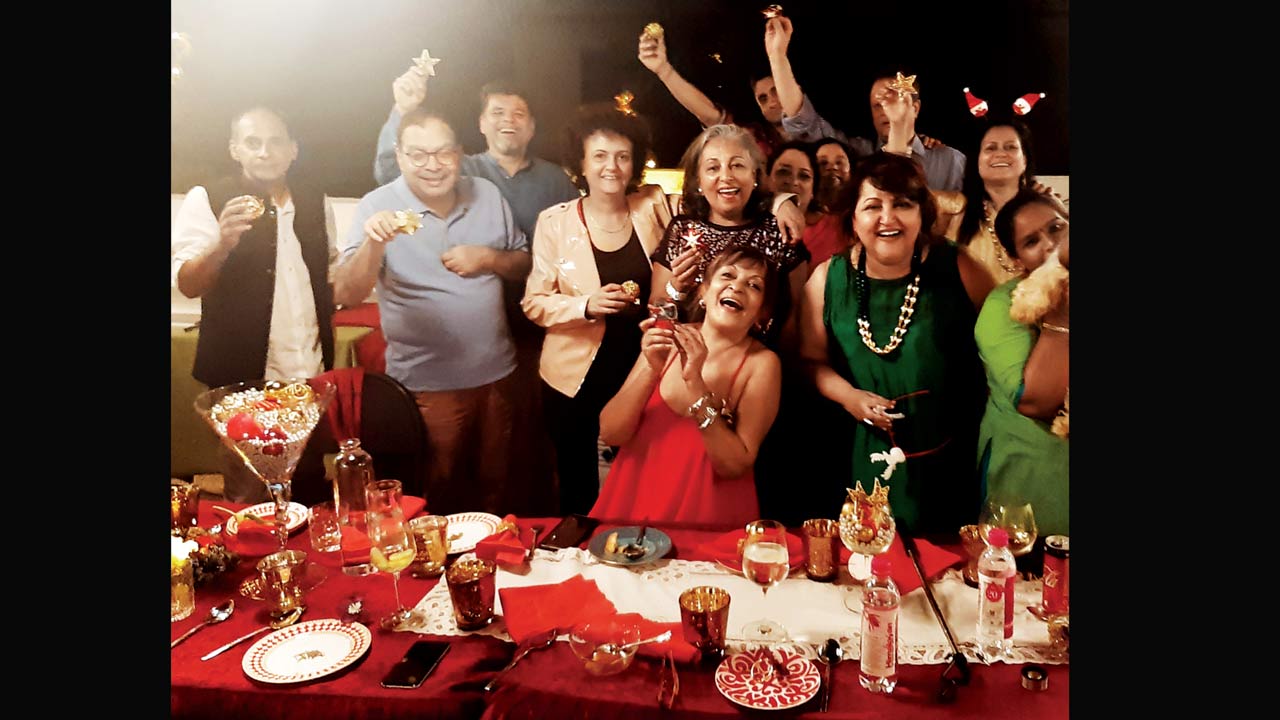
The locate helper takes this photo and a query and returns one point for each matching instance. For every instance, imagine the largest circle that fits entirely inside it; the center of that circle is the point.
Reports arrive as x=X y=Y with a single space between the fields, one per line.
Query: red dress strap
x=734 y=379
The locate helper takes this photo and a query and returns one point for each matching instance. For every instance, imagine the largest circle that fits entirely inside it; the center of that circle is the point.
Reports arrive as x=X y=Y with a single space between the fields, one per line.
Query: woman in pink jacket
x=590 y=276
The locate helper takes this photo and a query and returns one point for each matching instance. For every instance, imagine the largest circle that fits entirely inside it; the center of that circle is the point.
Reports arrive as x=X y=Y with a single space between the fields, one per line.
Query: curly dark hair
x=604 y=117
x=894 y=174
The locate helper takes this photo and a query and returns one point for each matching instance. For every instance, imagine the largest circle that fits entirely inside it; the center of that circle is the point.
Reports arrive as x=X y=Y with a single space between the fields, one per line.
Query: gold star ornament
x=654 y=30
x=904 y=84
x=426 y=63
x=407 y=221
x=622 y=101
x=771 y=12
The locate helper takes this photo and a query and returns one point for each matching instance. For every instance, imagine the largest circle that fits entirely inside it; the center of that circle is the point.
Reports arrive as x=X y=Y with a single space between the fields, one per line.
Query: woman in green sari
x=1019 y=454
x=887 y=333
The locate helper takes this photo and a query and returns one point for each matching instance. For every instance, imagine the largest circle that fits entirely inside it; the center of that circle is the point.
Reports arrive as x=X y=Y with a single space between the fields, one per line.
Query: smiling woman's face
x=726 y=175
x=1000 y=155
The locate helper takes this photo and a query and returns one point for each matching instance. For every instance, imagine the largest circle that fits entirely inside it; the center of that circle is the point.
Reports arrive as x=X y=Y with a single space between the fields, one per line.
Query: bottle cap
x=881 y=565
x=997 y=537
x=1035 y=678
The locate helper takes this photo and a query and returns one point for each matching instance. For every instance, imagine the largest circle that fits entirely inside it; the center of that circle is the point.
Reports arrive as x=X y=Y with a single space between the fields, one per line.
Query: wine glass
x=267 y=423
x=391 y=545
x=1015 y=516
x=765 y=562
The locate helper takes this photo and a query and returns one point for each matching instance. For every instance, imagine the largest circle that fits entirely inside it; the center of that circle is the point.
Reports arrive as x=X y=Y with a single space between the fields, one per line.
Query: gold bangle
x=1056 y=328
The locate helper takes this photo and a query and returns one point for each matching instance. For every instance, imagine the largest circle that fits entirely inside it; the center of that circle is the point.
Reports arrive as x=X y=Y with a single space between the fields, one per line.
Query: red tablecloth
x=546 y=684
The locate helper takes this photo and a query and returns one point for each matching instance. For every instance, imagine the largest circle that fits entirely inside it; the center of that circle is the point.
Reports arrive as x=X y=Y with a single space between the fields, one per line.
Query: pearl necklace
x=864 y=305
x=989 y=228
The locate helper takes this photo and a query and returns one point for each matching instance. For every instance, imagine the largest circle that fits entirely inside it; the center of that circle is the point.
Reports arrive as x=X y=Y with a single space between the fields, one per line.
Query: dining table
x=550 y=683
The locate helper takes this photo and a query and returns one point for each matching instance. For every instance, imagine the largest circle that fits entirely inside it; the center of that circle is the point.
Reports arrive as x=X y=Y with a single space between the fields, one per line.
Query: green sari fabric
x=936 y=491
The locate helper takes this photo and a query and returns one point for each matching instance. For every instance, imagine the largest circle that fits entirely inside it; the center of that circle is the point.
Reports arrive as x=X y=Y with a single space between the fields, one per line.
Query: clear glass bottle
x=878 y=668
x=352 y=471
x=996 y=572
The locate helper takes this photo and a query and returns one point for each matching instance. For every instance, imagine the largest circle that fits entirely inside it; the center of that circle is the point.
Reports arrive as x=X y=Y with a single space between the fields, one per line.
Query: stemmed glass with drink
x=1015 y=516
x=765 y=562
x=391 y=545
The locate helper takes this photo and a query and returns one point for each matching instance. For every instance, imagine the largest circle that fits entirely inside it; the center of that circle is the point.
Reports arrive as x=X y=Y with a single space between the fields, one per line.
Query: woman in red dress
x=692 y=413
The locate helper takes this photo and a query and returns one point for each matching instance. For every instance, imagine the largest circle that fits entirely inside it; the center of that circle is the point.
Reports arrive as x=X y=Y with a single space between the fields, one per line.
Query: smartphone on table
x=418 y=662
x=571 y=532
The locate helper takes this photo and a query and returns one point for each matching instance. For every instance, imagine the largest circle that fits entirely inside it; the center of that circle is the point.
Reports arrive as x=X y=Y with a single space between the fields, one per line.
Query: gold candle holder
x=704 y=618
x=472 y=589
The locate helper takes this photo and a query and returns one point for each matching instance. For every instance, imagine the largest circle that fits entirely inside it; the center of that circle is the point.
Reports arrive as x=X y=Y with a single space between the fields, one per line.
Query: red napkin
x=933 y=560
x=253 y=539
x=355 y=544
x=344 y=412
x=503 y=547
x=725 y=549
x=535 y=609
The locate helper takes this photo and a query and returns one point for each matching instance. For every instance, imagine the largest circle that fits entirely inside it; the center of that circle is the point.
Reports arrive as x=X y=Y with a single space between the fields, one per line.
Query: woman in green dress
x=1027 y=366
x=887 y=333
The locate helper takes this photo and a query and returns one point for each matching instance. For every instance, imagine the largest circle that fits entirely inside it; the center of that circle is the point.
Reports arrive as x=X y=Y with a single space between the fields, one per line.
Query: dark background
x=329 y=65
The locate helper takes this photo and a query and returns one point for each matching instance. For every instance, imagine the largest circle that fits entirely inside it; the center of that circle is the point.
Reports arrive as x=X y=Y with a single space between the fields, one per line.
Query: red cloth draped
x=344 y=411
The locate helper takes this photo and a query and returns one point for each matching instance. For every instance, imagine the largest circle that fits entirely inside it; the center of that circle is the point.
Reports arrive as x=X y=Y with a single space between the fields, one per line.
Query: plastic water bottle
x=878 y=668
x=996 y=572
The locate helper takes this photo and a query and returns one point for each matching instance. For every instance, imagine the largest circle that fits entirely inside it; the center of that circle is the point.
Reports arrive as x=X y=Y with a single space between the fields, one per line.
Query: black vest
x=235 y=315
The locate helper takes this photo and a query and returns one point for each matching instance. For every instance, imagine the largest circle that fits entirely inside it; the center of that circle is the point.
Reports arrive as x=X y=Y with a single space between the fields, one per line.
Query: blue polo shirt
x=533 y=188
x=443 y=331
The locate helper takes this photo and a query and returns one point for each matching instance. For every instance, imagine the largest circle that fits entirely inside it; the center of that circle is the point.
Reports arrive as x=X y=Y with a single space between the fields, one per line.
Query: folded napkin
x=933 y=560
x=534 y=609
x=725 y=549
x=505 y=546
x=355 y=543
x=253 y=539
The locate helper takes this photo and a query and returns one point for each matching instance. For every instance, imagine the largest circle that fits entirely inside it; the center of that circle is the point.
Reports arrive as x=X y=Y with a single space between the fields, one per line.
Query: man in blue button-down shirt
x=440 y=299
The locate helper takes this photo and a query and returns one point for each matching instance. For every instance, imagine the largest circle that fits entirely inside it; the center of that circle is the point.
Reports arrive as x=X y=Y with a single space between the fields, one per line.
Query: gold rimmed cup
x=704 y=619
x=821 y=549
x=472 y=589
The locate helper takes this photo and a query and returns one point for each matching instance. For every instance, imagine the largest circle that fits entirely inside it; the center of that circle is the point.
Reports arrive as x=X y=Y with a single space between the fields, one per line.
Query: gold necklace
x=989 y=228
x=625 y=221
x=864 y=306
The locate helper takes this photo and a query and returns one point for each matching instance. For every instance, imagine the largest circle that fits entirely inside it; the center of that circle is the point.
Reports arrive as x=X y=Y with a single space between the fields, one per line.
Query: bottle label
x=1008 y=607
x=879 y=642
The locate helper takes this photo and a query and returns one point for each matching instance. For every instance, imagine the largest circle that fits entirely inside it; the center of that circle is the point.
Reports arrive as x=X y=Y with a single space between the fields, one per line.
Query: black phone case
x=570 y=532
x=419 y=661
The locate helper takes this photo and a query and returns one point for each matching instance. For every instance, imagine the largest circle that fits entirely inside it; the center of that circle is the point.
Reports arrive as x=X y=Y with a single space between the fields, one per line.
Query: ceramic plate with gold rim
x=295 y=516
x=306 y=651
x=466 y=530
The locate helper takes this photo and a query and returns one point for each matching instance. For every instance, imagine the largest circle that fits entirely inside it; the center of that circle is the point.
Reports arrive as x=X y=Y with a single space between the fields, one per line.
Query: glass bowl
x=598 y=646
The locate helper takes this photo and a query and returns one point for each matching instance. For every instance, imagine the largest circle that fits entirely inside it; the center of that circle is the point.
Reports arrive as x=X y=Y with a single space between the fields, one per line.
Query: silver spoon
x=285 y=621
x=537 y=643
x=830 y=656
x=635 y=550
x=616 y=649
x=217 y=614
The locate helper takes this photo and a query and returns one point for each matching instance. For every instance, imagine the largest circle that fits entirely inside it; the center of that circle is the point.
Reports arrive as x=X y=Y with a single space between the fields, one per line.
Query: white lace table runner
x=810 y=611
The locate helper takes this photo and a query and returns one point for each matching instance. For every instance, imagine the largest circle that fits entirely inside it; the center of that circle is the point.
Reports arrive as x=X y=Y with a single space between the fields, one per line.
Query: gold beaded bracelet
x=1056 y=328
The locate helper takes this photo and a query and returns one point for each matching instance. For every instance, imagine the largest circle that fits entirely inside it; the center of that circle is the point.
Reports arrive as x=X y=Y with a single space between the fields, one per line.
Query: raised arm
x=409 y=90
x=653 y=55
x=777 y=37
x=197 y=275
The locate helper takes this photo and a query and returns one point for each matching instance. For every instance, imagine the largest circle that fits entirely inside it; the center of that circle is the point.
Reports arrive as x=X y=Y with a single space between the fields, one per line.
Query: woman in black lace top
x=723 y=206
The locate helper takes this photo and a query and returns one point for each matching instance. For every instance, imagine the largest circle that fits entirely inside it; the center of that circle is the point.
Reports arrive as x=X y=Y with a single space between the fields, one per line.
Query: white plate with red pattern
x=747 y=679
x=306 y=651
x=466 y=530
x=295 y=516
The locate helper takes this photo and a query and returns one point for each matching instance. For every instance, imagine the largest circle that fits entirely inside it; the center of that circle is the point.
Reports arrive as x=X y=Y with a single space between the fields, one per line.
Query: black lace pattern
x=763 y=235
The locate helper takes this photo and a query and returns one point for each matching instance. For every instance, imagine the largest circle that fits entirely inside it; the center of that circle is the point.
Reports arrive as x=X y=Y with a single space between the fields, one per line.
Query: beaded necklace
x=864 y=305
x=989 y=228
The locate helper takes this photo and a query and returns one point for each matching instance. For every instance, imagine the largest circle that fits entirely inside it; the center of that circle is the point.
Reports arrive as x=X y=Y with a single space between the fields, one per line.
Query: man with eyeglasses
x=529 y=184
x=441 y=302
x=260 y=267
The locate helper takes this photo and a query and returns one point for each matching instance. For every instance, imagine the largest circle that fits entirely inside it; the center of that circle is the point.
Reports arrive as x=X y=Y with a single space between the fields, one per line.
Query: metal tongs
x=957 y=671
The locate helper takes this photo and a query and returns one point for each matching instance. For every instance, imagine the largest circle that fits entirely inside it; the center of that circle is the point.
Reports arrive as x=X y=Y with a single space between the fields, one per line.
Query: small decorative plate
x=466 y=530
x=743 y=678
x=656 y=545
x=306 y=651
x=295 y=516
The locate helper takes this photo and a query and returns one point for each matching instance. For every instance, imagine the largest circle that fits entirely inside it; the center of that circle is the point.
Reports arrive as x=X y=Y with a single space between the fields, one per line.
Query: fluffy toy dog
x=1033 y=297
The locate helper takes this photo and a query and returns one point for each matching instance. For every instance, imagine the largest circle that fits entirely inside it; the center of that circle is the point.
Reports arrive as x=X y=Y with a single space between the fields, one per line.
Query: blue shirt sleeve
x=385 y=168
x=809 y=126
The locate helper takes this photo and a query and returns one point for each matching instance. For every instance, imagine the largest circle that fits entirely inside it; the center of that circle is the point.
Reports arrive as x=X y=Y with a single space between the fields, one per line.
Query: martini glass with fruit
x=267 y=423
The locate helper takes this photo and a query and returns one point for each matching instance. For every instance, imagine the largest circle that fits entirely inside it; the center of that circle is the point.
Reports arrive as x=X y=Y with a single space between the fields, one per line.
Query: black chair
x=391 y=431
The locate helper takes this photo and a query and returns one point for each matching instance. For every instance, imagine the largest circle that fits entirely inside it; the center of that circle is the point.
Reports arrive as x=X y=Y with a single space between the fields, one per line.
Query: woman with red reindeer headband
x=1024 y=338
